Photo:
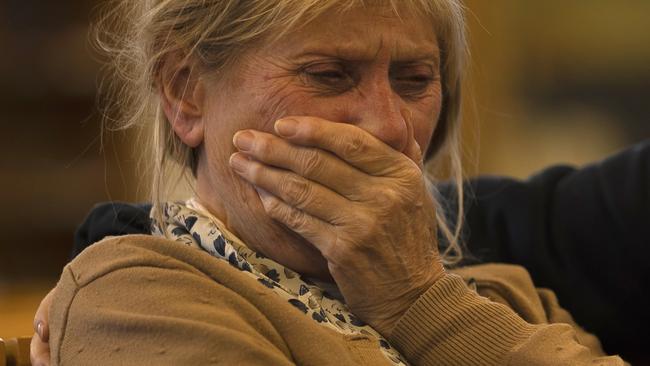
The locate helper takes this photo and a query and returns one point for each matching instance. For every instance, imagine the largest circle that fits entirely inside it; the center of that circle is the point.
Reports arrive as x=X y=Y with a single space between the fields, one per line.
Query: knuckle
x=255 y=172
x=412 y=173
x=367 y=227
x=354 y=146
x=312 y=163
x=406 y=168
x=297 y=191
x=310 y=129
x=263 y=146
x=372 y=191
x=295 y=219
x=389 y=197
x=311 y=123
x=273 y=208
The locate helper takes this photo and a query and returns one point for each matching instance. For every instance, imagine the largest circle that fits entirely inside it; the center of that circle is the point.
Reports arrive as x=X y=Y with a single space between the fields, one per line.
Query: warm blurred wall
x=51 y=165
x=556 y=82
x=52 y=169
x=553 y=81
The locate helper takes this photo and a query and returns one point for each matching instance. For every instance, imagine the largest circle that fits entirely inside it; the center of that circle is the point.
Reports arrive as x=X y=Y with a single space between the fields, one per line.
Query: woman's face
x=365 y=67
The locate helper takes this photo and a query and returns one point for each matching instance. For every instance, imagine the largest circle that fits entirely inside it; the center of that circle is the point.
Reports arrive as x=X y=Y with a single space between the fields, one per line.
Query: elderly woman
x=311 y=237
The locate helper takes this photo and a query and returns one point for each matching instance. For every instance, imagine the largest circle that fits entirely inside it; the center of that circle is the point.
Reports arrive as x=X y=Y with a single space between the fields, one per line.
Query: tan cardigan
x=142 y=300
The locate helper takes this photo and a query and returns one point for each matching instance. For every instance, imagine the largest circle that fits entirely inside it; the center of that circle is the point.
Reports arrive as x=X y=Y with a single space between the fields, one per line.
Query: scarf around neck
x=191 y=224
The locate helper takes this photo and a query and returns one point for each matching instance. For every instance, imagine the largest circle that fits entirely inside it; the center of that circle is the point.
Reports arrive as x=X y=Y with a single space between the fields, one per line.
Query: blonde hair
x=138 y=35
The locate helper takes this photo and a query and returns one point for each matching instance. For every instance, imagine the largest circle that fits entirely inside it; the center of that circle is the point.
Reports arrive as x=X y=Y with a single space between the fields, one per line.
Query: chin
x=305 y=258
x=282 y=245
x=271 y=238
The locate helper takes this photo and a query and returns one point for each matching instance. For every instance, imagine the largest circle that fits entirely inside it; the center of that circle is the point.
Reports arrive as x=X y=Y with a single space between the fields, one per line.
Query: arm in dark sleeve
x=585 y=233
x=111 y=219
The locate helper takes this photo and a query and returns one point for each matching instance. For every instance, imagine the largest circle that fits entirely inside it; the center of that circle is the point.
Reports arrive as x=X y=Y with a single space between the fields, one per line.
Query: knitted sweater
x=143 y=300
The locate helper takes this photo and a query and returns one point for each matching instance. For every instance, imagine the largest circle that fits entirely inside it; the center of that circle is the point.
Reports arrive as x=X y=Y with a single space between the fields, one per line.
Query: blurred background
x=552 y=82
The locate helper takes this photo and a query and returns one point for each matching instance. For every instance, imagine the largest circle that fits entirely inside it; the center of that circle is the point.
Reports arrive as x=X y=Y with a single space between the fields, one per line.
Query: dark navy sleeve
x=111 y=219
x=584 y=233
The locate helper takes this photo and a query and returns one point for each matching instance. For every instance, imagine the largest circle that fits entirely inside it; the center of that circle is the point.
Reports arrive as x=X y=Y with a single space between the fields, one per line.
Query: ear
x=182 y=96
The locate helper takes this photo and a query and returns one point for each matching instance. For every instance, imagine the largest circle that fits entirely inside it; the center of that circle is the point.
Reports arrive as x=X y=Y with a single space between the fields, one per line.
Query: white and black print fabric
x=191 y=224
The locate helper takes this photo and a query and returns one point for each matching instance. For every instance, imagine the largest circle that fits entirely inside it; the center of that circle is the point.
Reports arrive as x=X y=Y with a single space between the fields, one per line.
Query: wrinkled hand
x=363 y=204
x=39 y=349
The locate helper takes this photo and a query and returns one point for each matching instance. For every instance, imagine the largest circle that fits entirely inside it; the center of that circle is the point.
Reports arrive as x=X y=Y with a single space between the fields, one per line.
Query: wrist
x=407 y=299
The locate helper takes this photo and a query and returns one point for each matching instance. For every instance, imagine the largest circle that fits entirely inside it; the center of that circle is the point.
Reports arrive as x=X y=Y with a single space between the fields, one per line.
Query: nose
x=380 y=114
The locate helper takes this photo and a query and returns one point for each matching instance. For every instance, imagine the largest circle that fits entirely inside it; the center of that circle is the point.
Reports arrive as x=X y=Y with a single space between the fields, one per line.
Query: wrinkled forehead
x=364 y=32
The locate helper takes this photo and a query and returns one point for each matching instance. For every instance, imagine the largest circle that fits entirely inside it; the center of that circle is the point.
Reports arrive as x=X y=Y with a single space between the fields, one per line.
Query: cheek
x=278 y=98
x=283 y=95
x=245 y=107
x=255 y=104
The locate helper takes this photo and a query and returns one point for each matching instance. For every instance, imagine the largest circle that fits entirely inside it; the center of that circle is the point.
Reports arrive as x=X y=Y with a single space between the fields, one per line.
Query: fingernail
x=286 y=127
x=39 y=329
x=243 y=140
x=238 y=162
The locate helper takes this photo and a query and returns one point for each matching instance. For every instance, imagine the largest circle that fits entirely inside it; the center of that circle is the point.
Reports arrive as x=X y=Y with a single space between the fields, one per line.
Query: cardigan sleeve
x=184 y=319
x=452 y=325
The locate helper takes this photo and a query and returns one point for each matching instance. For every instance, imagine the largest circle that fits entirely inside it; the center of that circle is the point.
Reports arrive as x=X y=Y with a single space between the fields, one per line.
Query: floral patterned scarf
x=191 y=224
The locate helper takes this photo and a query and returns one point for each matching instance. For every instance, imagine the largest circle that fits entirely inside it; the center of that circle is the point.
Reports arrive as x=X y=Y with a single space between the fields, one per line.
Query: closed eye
x=416 y=79
x=333 y=77
x=328 y=76
x=413 y=80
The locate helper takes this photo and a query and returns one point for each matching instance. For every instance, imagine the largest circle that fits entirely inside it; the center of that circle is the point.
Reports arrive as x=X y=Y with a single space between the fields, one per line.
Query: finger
x=39 y=352
x=315 y=231
x=350 y=143
x=312 y=163
x=41 y=318
x=293 y=189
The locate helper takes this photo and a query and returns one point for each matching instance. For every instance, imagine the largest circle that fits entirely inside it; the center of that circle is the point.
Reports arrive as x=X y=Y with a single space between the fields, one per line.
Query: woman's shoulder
x=127 y=251
x=140 y=299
